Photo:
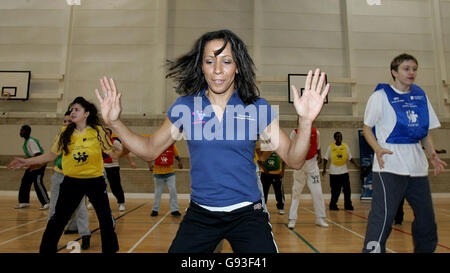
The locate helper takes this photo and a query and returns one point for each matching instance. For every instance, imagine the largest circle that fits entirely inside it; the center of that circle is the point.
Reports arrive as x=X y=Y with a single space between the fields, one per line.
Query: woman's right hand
x=379 y=153
x=110 y=103
x=309 y=105
x=18 y=162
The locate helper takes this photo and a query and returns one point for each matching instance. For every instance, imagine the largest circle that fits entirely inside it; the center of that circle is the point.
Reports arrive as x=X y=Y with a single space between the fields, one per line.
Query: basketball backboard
x=15 y=85
x=298 y=80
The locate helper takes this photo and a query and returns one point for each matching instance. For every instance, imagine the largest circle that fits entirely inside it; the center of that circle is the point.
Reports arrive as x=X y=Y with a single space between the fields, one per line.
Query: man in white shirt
x=339 y=153
x=308 y=174
x=34 y=174
x=397 y=121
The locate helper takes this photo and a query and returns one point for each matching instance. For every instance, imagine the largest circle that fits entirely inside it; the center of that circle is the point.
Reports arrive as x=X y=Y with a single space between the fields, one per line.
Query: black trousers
x=400 y=213
x=388 y=191
x=247 y=229
x=113 y=175
x=338 y=183
x=71 y=192
x=35 y=177
x=276 y=181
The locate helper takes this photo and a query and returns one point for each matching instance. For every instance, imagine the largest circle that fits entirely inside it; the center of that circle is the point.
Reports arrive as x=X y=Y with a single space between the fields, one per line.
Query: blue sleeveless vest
x=412 y=114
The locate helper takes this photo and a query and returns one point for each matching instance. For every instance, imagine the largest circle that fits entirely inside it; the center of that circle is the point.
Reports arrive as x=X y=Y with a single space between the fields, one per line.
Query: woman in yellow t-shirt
x=81 y=144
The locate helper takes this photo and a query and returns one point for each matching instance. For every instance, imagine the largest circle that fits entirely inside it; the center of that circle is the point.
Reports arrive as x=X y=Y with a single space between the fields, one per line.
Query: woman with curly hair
x=81 y=144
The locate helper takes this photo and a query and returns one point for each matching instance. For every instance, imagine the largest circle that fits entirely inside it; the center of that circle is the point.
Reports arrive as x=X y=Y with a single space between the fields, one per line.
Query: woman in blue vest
x=221 y=117
x=396 y=124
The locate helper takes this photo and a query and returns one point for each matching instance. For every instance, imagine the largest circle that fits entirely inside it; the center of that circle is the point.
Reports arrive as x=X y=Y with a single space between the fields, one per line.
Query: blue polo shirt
x=221 y=152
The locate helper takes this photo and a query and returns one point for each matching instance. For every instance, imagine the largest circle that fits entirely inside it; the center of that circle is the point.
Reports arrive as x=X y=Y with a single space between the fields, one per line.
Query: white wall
x=130 y=40
x=31 y=38
x=188 y=20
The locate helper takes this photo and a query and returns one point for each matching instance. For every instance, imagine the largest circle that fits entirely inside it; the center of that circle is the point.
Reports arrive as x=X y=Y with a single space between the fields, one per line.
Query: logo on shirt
x=396 y=100
x=412 y=116
x=80 y=157
x=257 y=206
x=416 y=97
x=199 y=115
x=271 y=162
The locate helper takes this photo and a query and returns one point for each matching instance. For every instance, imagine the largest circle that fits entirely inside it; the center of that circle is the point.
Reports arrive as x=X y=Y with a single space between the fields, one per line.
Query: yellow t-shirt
x=85 y=159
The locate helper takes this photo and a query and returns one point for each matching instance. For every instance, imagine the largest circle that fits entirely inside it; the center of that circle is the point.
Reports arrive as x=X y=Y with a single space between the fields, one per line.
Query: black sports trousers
x=71 y=192
x=247 y=229
x=35 y=177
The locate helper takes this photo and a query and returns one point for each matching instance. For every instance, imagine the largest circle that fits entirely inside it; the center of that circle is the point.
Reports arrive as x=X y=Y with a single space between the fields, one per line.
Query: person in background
x=33 y=174
x=309 y=174
x=112 y=170
x=79 y=223
x=339 y=153
x=397 y=121
x=164 y=174
x=272 y=172
x=82 y=143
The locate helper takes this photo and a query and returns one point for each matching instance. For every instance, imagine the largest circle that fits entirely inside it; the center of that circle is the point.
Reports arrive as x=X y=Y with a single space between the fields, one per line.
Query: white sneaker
x=22 y=205
x=281 y=212
x=121 y=207
x=89 y=206
x=44 y=207
x=291 y=224
x=320 y=221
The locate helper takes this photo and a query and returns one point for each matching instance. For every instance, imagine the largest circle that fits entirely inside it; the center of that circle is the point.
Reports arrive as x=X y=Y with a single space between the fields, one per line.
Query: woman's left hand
x=309 y=104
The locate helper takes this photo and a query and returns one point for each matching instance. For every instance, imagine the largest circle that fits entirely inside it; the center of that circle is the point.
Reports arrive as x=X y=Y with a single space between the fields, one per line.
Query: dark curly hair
x=187 y=69
x=92 y=121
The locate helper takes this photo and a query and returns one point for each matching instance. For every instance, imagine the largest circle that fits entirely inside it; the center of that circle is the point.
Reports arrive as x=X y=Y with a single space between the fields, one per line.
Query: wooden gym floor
x=21 y=229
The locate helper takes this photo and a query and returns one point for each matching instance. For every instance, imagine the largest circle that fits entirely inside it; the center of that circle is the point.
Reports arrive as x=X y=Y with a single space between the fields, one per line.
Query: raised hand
x=309 y=105
x=110 y=103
